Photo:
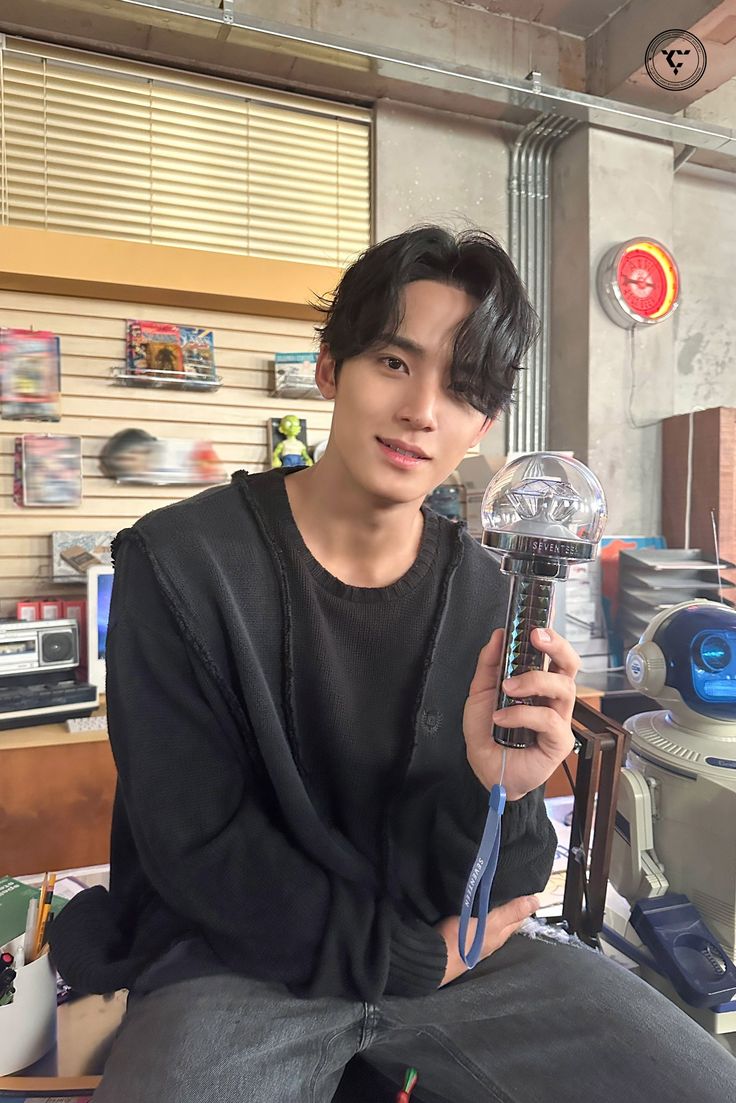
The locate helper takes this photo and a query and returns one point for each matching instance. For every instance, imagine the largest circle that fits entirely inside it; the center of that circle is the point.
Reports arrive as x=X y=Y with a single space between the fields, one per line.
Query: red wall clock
x=638 y=282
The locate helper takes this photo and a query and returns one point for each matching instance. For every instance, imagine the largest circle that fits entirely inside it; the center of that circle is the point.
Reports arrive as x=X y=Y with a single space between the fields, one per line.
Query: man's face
x=400 y=392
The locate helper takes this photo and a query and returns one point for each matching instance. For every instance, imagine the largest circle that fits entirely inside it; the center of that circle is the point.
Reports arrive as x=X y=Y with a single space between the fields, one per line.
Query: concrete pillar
x=432 y=166
x=608 y=388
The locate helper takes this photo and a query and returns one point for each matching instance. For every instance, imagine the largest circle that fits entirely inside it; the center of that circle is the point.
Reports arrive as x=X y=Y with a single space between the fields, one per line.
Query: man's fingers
x=540 y=718
x=563 y=657
x=521 y=914
x=514 y=912
x=555 y=737
x=541 y=683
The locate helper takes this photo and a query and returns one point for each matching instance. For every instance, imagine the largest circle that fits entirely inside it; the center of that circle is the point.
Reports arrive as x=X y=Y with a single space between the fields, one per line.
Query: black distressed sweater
x=309 y=816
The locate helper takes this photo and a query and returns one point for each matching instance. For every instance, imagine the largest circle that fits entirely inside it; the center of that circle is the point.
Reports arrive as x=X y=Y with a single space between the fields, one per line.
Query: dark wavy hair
x=366 y=308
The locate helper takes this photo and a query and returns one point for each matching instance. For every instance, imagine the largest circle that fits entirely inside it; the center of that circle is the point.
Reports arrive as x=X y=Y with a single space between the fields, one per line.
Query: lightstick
x=541 y=513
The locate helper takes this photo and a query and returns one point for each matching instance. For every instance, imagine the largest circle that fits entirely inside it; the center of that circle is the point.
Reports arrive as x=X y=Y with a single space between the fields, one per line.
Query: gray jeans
x=537 y=1022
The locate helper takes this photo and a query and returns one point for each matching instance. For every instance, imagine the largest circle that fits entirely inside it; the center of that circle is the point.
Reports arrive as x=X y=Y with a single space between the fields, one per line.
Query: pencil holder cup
x=28 y=1024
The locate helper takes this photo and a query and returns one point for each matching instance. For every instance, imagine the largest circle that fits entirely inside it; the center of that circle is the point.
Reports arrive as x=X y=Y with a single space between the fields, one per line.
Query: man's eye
x=393 y=362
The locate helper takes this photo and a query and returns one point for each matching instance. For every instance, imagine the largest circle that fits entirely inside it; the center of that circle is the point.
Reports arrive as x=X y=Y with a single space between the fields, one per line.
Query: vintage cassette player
x=38 y=647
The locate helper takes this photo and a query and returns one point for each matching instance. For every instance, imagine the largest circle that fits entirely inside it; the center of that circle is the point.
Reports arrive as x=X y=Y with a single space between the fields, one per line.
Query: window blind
x=99 y=145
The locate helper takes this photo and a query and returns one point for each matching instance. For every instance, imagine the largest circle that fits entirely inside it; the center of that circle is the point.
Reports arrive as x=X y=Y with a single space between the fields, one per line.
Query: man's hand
x=554 y=690
x=501 y=924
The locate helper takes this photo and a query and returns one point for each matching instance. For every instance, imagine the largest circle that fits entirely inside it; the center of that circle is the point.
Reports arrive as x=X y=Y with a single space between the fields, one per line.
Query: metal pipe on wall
x=563 y=129
x=530 y=236
x=533 y=270
x=536 y=418
x=520 y=252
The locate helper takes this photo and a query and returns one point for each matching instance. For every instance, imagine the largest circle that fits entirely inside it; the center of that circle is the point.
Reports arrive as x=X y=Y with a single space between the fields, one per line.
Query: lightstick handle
x=530 y=606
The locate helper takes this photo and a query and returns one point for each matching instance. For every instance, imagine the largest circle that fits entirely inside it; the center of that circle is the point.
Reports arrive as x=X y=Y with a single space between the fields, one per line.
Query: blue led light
x=699 y=643
x=714 y=653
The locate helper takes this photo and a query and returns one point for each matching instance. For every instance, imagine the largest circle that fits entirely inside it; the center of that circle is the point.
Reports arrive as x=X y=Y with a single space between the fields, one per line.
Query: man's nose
x=420 y=406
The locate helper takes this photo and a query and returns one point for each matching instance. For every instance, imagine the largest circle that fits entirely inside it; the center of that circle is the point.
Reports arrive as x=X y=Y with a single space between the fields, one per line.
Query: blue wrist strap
x=482 y=874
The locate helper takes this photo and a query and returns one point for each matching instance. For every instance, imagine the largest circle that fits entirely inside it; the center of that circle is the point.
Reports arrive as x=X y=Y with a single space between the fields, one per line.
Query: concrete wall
x=705 y=323
x=609 y=388
x=431 y=165
x=434 y=166
x=630 y=382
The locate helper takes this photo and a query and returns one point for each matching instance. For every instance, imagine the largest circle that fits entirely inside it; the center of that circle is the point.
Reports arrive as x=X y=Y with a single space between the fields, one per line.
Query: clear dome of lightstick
x=544 y=503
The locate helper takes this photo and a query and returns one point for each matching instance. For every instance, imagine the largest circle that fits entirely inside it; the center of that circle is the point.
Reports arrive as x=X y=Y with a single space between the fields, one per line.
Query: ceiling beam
x=615 y=54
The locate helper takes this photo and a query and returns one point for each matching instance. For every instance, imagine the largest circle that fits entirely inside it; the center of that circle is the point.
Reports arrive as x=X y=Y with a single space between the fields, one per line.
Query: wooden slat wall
x=92 y=334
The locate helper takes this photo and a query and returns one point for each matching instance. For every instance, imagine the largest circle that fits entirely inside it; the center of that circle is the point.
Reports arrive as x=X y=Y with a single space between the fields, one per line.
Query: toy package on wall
x=183 y=462
x=135 y=456
x=72 y=552
x=294 y=375
x=153 y=348
x=48 y=470
x=30 y=375
x=166 y=350
x=198 y=351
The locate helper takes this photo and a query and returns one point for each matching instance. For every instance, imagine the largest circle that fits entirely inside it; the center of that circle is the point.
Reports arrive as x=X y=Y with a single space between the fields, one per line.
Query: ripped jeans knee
x=541 y=930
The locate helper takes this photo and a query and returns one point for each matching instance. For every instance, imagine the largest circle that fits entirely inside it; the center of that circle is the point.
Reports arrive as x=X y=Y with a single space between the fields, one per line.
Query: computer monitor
x=99 y=591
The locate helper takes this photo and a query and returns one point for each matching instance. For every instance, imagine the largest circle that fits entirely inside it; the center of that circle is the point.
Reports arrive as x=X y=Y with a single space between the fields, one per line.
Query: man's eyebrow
x=399 y=342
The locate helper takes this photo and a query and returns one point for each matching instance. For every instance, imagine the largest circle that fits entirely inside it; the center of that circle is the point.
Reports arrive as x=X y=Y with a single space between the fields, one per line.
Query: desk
x=56 y=793
x=85 y=1029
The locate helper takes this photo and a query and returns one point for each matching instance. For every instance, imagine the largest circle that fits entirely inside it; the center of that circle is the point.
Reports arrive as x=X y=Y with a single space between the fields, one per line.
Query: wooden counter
x=56 y=793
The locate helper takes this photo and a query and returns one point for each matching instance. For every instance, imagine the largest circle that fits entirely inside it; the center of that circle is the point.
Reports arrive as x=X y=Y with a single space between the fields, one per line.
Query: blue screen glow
x=104 y=592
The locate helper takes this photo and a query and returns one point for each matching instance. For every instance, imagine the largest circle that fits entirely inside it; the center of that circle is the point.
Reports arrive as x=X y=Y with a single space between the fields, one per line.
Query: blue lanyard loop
x=482 y=874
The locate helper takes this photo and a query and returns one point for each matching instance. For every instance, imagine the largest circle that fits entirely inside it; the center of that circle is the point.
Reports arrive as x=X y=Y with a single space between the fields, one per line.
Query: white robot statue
x=676 y=812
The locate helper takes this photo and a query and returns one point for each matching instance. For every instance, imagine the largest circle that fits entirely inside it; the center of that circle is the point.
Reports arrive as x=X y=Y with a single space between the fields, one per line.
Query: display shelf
x=178 y=381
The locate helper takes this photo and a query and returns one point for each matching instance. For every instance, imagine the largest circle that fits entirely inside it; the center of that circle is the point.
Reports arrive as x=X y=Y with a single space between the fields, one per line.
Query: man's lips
x=413 y=449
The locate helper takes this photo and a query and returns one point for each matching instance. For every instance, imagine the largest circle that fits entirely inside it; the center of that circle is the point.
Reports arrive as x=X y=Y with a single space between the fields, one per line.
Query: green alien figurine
x=290 y=452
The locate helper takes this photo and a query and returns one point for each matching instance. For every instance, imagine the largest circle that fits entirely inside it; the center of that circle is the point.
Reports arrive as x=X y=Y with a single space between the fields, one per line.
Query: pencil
x=41 y=902
x=50 y=887
x=44 y=910
x=42 y=927
x=45 y=935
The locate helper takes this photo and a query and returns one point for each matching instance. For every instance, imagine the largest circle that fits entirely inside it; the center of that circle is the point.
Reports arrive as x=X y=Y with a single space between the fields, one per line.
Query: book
x=14 y=899
x=41 y=1095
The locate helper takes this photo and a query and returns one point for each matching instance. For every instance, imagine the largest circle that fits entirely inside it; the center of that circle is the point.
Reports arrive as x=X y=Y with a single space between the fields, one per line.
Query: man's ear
x=324 y=372
x=486 y=426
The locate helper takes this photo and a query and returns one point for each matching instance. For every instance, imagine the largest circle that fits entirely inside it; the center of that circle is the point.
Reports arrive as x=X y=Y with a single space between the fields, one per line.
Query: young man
x=301 y=686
